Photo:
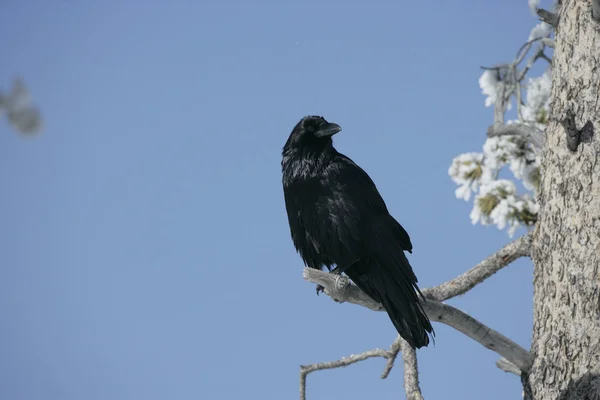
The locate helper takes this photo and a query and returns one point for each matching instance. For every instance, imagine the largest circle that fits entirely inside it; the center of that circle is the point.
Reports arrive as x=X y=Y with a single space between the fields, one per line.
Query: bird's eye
x=312 y=127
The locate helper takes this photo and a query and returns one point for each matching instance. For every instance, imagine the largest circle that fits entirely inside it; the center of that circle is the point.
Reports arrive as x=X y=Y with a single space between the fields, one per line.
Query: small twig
x=523 y=50
x=507 y=366
x=482 y=271
x=390 y=355
x=548 y=17
x=411 y=373
x=596 y=10
x=530 y=62
x=436 y=311
x=530 y=134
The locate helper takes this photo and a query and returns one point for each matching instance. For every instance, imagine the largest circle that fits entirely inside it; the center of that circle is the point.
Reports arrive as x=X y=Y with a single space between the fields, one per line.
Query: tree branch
x=390 y=355
x=548 y=17
x=528 y=133
x=411 y=372
x=488 y=267
x=340 y=289
x=507 y=366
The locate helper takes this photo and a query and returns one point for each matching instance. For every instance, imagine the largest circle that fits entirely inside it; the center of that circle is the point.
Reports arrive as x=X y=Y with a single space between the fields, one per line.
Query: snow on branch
x=516 y=144
x=485 y=269
x=529 y=133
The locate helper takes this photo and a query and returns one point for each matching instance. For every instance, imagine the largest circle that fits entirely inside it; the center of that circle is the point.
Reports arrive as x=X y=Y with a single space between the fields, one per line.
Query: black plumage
x=337 y=217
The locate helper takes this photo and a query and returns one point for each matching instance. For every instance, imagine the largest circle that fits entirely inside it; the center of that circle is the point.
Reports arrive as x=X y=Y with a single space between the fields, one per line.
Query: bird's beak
x=328 y=129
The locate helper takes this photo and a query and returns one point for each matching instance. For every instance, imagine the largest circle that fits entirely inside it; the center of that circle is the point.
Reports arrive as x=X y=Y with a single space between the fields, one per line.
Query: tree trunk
x=566 y=247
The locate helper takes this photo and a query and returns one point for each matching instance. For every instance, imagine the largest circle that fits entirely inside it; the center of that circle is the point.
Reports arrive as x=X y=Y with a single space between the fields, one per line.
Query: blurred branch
x=548 y=17
x=511 y=77
x=530 y=134
x=21 y=113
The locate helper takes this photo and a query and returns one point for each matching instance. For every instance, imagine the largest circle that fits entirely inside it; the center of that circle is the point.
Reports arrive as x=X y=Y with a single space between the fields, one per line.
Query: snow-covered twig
x=411 y=373
x=488 y=267
x=341 y=290
x=529 y=133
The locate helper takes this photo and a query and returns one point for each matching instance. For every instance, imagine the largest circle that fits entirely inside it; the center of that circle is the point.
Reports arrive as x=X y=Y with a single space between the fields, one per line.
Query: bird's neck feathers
x=301 y=163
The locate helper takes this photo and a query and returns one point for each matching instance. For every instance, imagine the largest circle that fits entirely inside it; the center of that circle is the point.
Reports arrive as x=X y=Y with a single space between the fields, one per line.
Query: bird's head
x=312 y=132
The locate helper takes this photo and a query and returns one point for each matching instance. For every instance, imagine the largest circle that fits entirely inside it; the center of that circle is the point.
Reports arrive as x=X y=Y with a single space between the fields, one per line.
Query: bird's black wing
x=358 y=187
x=382 y=270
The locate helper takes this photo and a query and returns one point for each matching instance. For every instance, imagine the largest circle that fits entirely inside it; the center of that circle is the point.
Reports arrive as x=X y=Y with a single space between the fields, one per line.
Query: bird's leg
x=338 y=270
x=320 y=289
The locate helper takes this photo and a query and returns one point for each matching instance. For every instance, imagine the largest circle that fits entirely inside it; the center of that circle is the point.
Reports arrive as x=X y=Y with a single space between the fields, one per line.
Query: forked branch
x=390 y=355
x=515 y=358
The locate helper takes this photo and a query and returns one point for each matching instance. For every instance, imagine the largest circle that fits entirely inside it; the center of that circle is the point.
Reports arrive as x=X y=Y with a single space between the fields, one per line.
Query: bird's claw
x=320 y=289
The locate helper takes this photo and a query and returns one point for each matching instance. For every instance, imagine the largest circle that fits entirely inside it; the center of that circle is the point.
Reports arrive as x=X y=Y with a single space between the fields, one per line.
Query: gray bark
x=566 y=241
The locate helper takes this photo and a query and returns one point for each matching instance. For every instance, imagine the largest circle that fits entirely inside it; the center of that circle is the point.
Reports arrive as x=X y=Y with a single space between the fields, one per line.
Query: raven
x=337 y=217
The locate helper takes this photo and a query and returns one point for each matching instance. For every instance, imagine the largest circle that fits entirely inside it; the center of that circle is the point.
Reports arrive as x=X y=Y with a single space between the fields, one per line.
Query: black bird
x=337 y=217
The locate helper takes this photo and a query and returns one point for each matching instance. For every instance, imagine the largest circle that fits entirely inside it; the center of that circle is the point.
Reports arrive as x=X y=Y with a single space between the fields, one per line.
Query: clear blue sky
x=145 y=246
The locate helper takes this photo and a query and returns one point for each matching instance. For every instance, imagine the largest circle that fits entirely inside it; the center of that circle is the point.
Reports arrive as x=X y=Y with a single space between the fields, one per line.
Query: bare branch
x=548 y=17
x=489 y=338
x=482 y=271
x=507 y=366
x=596 y=10
x=515 y=358
x=340 y=289
x=523 y=51
x=390 y=355
x=539 y=53
x=531 y=134
x=411 y=373
x=500 y=105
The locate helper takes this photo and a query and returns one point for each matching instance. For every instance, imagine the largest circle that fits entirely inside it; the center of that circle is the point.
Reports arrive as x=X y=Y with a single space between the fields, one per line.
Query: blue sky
x=145 y=246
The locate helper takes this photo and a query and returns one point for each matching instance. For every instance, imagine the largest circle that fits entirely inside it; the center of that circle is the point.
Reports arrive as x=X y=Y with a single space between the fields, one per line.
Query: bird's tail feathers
x=385 y=284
